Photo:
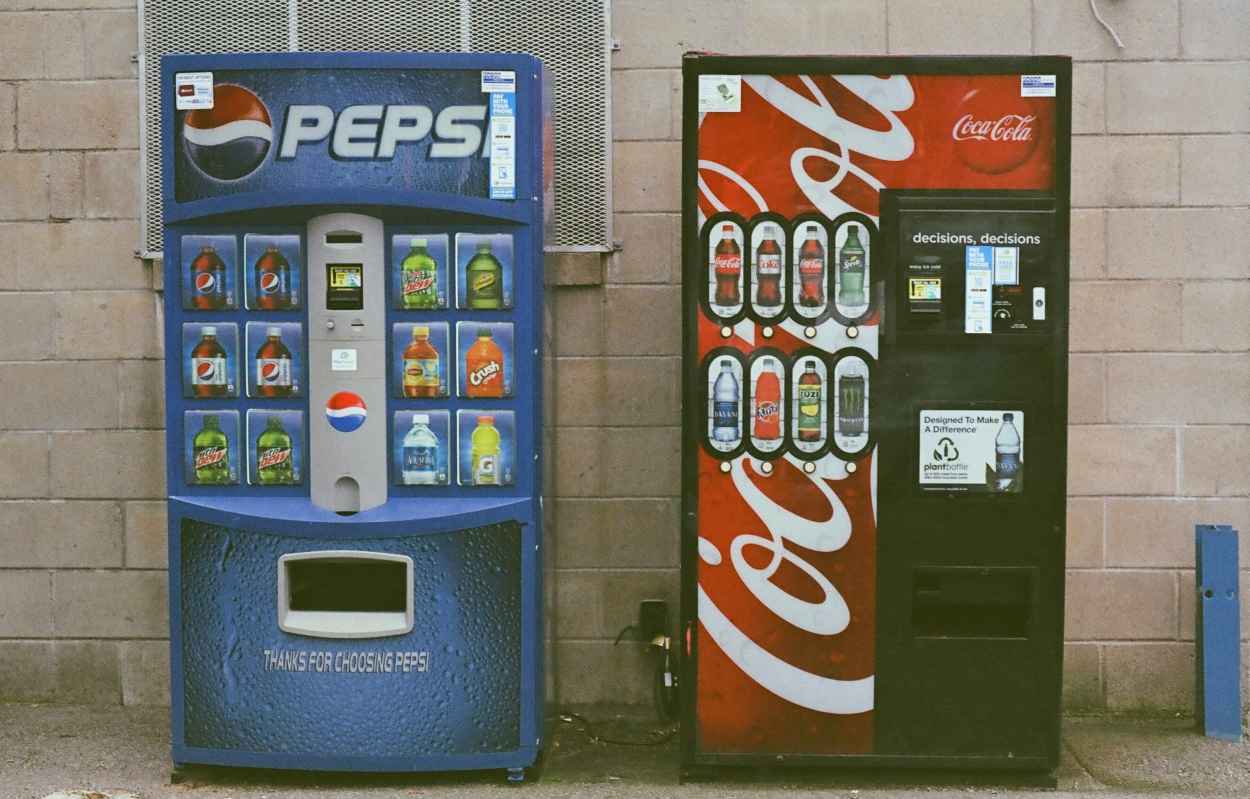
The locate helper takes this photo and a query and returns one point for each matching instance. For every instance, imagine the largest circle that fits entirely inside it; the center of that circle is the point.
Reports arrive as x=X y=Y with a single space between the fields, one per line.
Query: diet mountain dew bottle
x=274 y=456
x=485 y=279
x=419 y=274
x=211 y=453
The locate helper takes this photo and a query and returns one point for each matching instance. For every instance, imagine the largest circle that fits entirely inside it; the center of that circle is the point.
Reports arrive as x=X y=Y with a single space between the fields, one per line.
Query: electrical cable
x=1118 y=42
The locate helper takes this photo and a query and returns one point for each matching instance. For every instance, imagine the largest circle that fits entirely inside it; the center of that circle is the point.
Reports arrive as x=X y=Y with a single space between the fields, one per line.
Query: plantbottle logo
x=994 y=131
x=231 y=139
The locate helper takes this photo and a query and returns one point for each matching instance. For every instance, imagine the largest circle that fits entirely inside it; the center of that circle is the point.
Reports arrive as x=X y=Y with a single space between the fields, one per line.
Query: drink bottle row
x=806 y=404
x=770 y=268
x=273 y=274
x=422 y=451
x=421 y=356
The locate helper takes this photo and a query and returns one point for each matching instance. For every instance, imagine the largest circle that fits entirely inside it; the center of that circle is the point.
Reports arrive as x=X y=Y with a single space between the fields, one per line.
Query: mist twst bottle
x=484 y=290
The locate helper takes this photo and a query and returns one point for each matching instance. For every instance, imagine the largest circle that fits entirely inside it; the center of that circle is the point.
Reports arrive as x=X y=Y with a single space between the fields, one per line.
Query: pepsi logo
x=995 y=130
x=269 y=282
x=205 y=282
x=270 y=371
x=346 y=411
x=205 y=369
x=231 y=139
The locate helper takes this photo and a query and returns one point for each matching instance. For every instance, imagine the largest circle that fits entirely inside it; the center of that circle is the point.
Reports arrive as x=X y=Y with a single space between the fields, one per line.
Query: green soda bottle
x=274 y=457
x=211 y=453
x=485 y=280
x=851 y=271
x=419 y=274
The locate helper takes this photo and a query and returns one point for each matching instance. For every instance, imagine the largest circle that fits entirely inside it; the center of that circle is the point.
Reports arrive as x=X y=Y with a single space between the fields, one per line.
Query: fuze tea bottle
x=275 y=462
x=809 y=395
x=210 y=451
x=419 y=275
x=484 y=452
x=485 y=280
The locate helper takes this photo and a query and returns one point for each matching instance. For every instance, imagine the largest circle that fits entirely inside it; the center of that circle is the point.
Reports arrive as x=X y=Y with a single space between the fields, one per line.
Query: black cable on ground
x=659 y=737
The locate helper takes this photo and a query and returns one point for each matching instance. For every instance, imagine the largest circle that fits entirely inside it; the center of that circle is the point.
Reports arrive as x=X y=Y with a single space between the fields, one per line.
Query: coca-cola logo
x=205 y=282
x=484 y=373
x=995 y=130
x=274 y=456
x=728 y=264
x=270 y=282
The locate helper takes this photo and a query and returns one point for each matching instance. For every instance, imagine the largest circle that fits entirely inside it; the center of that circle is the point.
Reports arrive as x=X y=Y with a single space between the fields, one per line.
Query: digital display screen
x=345 y=287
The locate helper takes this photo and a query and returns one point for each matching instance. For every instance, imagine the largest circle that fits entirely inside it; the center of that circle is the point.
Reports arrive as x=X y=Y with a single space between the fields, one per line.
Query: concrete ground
x=123 y=752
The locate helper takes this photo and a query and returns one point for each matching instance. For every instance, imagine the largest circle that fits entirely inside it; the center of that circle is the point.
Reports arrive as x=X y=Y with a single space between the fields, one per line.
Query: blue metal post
x=1218 y=632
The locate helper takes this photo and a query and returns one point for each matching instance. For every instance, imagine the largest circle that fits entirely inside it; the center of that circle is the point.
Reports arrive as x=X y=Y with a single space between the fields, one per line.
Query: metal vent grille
x=571 y=36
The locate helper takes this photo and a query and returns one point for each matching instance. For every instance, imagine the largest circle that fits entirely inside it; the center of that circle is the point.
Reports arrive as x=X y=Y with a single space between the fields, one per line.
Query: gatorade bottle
x=483 y=367
x=419 y=273
x=421 y=378
x=484 y=454
x=768 y=403
x=210 y=450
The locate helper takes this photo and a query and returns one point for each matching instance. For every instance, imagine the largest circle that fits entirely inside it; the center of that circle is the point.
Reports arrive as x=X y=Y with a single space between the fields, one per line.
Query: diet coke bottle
x=768 y=271
x=273 y=366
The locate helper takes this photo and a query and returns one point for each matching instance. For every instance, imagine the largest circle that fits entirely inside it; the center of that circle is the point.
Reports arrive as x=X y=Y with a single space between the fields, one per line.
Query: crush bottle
x=767 y=398
x=1007 y=455
x=768 y=271
x=275 y=457
x=485 y=280
x=419 y=276
x=727 y=265
x=210 y=451
x=811 y=270
x=809 y=401
x=483 y=365
x=725 y=405
x=851 y=271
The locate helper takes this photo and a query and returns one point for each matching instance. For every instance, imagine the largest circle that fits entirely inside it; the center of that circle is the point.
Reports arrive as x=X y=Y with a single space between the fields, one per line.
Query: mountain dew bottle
x=420 y=277
x=485 y=284
x=211 y=453
x=485 y=452
x=274 y=461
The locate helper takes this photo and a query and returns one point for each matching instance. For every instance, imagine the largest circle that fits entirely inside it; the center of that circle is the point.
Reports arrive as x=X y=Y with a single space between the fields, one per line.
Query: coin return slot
x=345 y=594
x=972 y=602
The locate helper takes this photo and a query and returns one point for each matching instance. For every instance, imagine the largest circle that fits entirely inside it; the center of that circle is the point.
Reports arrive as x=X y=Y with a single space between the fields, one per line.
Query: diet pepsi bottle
x=1007 y=455
x=725 y=405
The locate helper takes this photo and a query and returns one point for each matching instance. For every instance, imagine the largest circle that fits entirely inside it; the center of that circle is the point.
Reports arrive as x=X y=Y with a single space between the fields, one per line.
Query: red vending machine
x=875 y=269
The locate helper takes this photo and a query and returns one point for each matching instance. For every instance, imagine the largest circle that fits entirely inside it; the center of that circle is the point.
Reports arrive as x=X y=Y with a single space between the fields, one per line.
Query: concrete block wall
x=1160 y=370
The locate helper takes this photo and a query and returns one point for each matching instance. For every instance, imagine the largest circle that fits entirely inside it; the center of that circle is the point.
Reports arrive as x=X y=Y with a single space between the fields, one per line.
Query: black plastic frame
x=693 y=756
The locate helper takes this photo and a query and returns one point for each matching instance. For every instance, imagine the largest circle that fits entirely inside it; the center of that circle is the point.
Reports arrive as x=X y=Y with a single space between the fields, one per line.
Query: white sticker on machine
x=972 y=450
x=720 y=93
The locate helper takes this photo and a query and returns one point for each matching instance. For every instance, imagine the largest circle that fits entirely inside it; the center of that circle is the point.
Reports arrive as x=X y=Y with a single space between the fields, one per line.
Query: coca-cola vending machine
x=875 y=312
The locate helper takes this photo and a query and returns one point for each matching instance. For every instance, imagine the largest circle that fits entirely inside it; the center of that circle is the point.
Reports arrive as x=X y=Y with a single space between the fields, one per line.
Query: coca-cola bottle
x=767 y=398
x=208 y=365
x=273 y=366
x=727 y=265
x=208 y=280
x=768 y=271
x=273 y=281
x=812 y=270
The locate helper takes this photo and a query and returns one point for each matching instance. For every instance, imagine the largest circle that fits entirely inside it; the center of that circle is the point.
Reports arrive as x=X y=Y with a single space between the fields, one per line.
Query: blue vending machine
x=353 y=331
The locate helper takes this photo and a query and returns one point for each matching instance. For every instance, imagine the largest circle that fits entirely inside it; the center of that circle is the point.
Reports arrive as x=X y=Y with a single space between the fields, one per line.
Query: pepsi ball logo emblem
x=994 y=130
x=269 y=372
x=346 y=411
x=204 y=282
x=269 y=282
x=205 y=370
x=231 y=139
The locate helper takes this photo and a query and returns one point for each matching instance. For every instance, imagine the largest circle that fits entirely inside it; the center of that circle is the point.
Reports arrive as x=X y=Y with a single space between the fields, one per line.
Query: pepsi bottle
x=725 y=405
x=273 y=281
x=208 y=281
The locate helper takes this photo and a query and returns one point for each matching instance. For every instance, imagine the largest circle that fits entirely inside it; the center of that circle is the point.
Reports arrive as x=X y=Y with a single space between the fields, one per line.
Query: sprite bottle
x=485 y=279
x=851 y=271
x=419 y=275
x=275 y=458
x=211 y=453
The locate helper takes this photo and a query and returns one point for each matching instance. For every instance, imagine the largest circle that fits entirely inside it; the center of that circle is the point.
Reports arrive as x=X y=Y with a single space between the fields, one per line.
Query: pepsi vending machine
x=353 y=318
x=875 y=303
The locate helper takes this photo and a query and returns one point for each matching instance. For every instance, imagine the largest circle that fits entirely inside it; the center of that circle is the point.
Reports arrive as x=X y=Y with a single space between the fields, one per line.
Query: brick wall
x=1160 y=370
